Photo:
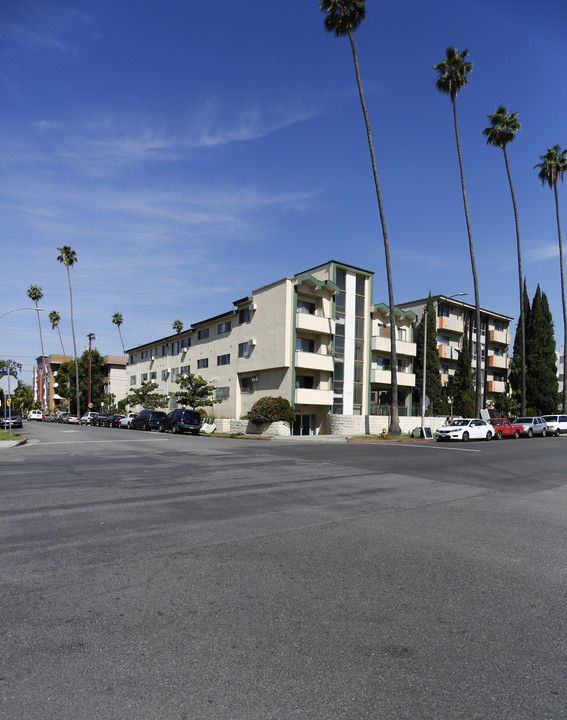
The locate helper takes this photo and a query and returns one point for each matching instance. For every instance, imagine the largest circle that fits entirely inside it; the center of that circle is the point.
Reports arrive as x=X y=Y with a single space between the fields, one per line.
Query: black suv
x=147 y=419
x=180 y=420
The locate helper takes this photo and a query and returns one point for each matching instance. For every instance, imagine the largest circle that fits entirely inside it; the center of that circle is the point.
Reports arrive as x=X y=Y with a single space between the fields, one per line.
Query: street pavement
x=154 y=576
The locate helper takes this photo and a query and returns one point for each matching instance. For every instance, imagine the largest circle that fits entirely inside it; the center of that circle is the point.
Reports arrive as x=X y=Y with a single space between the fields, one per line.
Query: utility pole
x=91 y=337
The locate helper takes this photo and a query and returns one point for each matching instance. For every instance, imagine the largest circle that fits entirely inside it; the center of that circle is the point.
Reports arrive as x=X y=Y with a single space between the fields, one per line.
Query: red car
x=504 y=428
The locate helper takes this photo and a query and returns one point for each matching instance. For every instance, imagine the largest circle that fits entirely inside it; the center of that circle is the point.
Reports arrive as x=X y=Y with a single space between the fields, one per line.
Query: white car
x=35 y=415
x=126 y=421
x=466 y=429
x=88 y=417
x=556 y=424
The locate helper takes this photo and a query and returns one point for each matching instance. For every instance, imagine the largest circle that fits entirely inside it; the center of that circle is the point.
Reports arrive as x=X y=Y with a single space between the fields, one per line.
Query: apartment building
x=560 y=355
x=305 y=338
x=452 y=313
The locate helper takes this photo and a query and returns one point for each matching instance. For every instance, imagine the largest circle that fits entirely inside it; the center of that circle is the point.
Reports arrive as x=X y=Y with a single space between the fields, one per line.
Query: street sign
x=3 y=371
x=8 y=383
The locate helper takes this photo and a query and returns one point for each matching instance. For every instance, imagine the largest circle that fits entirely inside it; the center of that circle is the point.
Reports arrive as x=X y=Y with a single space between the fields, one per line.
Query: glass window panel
x=357 y=394
x=359 y=306
x=341 y=278
x=359 y=328
x=360 y=284
x=358 y=371
x=340 y=302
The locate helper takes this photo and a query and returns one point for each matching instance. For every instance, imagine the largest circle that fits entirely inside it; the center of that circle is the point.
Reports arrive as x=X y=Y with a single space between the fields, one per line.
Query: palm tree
x=35 y=294
x=342 y=18
x=452 y=77
x=68 y=257
x=502 y=130
x=177 y=326
x=552 y=168
x=54 y=319
x=117 y=319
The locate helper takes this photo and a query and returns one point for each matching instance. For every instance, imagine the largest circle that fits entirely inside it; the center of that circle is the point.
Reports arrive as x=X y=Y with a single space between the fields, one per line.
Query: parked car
x=99 y=420
x=36 y=415
x=556 y=424
x=71 y=419
x=10 y=419
x=126 y=420
x=180 y=420
x=112 y=420
x=466 y=429
x=532 y=426
x=147 y=420
x=87 y=418
x=52 y=417
x=62 y=417
x=504 y=428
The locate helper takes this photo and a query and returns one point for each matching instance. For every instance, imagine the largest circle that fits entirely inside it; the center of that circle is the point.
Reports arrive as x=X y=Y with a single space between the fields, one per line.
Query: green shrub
x=271 y=409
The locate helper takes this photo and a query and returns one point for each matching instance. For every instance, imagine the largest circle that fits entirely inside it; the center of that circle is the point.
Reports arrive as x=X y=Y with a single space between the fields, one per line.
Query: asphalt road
x=146 y=576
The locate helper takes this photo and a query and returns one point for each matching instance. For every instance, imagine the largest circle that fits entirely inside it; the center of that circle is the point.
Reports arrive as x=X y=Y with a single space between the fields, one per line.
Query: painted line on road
x=83 y=442
x=429 y=447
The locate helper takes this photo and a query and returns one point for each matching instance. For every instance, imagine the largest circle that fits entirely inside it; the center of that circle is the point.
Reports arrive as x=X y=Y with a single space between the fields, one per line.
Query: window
x=153 y=352
x=144 y=355
x=223 y=359
x=304 y=306
x=186 y=342
x=341 y=278
x=164 y=375
x=360 y=282
x=185 y=369
x=244 y=349
x=144 y=377
x=222 y=393
x=164 y=350
x=153 y=376
x=223 y=327
x=174 y=374
x=203 y=363
x=203 y=334
x=132 y=379
x=246 y=385
x=305 y=344
x=175 y=347
x=304 y=381
x=133 y=358
x=383 y=363
x=402 y=334
x=244 y=315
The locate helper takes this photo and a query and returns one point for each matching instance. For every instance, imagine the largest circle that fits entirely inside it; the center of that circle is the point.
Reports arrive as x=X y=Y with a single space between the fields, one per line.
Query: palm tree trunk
x=122 y=341
x=521 y=282
x=43 y=383
x=61 y=341
x=564 y=399
x=473 y=266
x=74 y=346
x=394 y=428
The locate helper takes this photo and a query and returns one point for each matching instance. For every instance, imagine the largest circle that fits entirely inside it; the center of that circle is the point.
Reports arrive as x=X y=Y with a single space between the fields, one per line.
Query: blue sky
x=192 y=152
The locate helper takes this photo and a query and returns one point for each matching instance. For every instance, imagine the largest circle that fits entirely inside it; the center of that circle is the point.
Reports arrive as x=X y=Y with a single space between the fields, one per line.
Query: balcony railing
x=451 y=324
x=403 y=347
x=311 y=396
x=314 y=323
x=313 y=361
x=384 y=377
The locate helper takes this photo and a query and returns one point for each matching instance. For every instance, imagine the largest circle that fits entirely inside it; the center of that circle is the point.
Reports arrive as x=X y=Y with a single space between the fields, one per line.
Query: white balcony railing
x=313 y=361
x=314 y=323
x=310 y=396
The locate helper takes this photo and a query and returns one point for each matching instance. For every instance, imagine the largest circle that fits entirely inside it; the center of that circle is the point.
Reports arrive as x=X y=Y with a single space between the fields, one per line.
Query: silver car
x=532 y=426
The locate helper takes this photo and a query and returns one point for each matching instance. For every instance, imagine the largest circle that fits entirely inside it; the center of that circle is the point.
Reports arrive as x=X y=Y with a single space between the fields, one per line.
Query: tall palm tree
x=452 y=77
x=68 y=257
x=54 y=319
x=552 y=168
x=502 y=130
x=177 y=326
x=117 y=319
x=342 y=18
x=35 y=294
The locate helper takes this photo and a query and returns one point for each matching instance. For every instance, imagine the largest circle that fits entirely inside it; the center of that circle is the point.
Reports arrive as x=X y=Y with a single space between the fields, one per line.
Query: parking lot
x=149 y=575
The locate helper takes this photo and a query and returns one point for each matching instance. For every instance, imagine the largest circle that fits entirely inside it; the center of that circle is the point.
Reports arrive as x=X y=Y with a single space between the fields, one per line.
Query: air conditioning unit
x=252 y=342
x=253 y=306
x=254 y=378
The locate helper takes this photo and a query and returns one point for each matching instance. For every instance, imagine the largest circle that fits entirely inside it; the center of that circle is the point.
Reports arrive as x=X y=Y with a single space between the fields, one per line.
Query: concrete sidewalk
x=5 y=444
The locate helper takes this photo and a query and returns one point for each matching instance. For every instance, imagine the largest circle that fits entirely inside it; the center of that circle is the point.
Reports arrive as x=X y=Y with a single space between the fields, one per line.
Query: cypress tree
x=515 y=377
x=461 y=385
x=541 y=369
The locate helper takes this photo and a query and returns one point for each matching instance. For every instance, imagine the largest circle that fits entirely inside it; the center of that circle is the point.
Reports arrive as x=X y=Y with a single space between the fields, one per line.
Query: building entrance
x=305 y=424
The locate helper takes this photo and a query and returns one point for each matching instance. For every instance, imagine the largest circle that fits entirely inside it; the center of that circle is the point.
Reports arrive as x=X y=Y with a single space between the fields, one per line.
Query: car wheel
x=557 y=433
x=489 y=435
x=147 y=427
x=465 y=436
x=161 y=428
x=175 y=428
x=516 y=434
x=544 y=433
x=194 y=432
x=530 y=433
x=498 y=435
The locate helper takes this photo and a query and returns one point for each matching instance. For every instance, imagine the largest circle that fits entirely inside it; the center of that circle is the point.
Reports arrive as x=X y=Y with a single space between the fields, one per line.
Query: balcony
x=313 y=361
x=383 y=377
x=500 y=337
x=498 y=361
x=452 y=324
x=305 y=396
x=314 y=323
x=382 y=344
x=496 y=386
x=448 y=353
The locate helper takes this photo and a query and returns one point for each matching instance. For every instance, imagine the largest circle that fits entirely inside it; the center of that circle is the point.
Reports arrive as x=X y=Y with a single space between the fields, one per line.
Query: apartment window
x=174 y=374
x=244 y=349
x=186 y=342
x=443 y=311
x=144 y=377
x=246 y=385
x=223 y=327
x=153 y=375
x=144 y=355
x=133 y=358
x=443 y=339
x=244 y=315
x=132 y=379
x=383 y=363
x=203 y=334
x=305 y=344
x=402 y=334
x=164 y=375
x=305 y=381
x=153 y=352
x=175 y=347
x=223 y=359
x=185 y=369
x=203 y=363
x=164 y=350
x=222 y=393
x=444 y=369
x=304 y=306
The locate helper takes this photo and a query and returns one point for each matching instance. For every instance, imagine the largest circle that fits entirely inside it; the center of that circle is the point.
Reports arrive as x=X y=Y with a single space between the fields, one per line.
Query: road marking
x=76 y=442
x=430 y=447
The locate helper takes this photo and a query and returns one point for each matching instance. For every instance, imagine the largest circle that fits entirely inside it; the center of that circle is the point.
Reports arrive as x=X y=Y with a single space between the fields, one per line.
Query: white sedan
x=466 y=429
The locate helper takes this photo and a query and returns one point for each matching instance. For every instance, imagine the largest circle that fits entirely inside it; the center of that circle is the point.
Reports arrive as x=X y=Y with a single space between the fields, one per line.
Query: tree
x=177 y=326
x=271 y=409
x=461 y=386
x=146 y=396
x=453 y=73
x=194 y=392
x=68 y=257
x=503 y=129
x=65 y=386
x=13 y=369
x=117 y=319
x=342 y=18
x=552 y=168
x=519 y=351
x=54 y=319
x=35 y=294
x=434 y=389
x=541 y=370
x=23 y=397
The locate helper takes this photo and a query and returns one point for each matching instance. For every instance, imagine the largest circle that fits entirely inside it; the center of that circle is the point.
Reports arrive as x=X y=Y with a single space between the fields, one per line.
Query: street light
x=16 y=310
x=424 y=384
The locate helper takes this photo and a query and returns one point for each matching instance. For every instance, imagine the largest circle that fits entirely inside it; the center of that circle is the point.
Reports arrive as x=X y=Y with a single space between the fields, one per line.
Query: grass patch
x=5 y=435
x=379 y=438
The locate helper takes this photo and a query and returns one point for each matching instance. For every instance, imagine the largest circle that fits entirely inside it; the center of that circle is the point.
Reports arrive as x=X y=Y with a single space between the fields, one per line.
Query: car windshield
x=550 y=418
x=460 y=423
x=525 y=420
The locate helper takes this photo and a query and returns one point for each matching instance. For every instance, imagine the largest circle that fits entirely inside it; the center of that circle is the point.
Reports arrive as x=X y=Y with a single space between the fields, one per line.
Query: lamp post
x=17 y=309
x=424 y=384
x=91 y=337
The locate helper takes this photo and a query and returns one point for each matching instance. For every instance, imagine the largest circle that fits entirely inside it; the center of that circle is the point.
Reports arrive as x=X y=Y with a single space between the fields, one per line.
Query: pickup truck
x=504 y=428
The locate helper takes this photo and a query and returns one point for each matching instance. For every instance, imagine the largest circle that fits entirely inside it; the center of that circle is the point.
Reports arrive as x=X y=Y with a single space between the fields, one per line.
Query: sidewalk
x=5 y=444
